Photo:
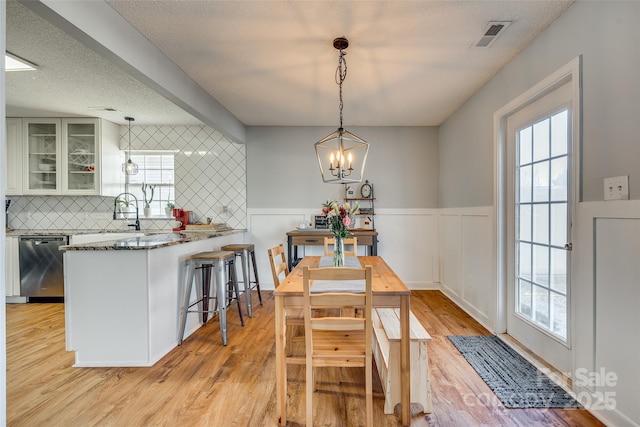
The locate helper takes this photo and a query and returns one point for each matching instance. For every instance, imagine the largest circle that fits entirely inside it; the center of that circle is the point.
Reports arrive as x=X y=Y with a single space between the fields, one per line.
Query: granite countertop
x=150 y=241
x=70 y=232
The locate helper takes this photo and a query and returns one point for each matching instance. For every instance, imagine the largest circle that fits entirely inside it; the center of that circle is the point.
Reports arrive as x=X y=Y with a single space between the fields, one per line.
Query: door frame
x=570 y=73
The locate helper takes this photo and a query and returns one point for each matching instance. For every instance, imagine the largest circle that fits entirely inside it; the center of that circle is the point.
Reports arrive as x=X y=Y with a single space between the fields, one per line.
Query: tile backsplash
x=71 y=213
x=210 y=181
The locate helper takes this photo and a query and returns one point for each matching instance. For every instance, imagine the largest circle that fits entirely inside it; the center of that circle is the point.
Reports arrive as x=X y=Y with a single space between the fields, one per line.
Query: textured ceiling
x=273 y=63
x=72 y=79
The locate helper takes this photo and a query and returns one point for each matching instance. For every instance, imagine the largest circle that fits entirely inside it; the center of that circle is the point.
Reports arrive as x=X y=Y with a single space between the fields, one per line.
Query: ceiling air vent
x=491 y=32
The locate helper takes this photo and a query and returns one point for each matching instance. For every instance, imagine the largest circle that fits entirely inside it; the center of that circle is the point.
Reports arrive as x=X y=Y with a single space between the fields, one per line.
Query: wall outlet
x=616 y=188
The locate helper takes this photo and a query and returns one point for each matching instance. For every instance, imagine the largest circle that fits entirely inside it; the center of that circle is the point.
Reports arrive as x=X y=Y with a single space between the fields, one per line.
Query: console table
x=313 y=237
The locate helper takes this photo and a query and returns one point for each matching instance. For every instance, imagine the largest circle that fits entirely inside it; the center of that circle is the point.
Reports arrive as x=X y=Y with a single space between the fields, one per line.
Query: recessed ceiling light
x=15 y=63
x=111 y=109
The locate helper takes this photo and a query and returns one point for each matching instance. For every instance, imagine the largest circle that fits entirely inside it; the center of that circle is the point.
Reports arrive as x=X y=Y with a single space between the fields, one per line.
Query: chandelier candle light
x=341 y=155
x=340 y=218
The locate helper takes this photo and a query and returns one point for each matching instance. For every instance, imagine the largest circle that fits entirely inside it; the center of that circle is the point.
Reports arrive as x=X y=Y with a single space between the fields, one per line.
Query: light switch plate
x=616 y=188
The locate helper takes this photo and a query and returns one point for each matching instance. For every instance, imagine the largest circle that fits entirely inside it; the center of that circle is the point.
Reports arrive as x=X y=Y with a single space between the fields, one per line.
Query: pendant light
x=341 y=155
x=129 y=167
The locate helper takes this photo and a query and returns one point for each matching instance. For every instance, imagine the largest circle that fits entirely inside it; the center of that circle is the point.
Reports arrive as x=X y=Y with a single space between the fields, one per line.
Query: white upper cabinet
x=77 y=156
x=81 y=154
x=41 y=167
x=13 y=169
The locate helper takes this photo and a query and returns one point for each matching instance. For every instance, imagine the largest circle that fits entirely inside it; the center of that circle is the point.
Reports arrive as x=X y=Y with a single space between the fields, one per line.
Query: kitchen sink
x=78 y=239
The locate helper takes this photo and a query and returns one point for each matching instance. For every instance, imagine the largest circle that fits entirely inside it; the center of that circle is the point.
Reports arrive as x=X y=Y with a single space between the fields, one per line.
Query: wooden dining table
x=388 y=291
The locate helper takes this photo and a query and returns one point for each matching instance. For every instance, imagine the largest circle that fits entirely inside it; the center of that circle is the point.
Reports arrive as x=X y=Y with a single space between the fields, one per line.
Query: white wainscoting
x=617 y=300
x=408 y=241
x=606 y=278
x=467 y=261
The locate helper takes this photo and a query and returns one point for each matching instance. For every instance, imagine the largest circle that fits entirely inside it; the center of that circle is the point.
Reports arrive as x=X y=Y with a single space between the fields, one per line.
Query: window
x=154 y=168
x=541 y=230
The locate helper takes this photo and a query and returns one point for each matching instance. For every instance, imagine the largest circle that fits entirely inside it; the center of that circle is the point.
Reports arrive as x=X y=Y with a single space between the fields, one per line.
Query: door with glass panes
x=539 y=195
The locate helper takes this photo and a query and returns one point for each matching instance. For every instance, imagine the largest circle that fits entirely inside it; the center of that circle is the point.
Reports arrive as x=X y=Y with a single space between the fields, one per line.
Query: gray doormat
x=515 y=381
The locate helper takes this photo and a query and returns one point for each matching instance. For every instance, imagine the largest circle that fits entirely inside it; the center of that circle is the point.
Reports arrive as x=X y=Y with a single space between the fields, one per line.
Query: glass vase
x=338 y=252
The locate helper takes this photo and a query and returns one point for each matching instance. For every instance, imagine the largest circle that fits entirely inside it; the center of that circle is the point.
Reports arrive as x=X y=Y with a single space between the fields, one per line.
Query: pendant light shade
x=129 y=167
x=341 y=155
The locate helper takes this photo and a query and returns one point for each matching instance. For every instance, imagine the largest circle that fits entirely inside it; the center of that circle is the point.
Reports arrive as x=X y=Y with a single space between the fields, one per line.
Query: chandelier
x=129 y=167
x=341 y=155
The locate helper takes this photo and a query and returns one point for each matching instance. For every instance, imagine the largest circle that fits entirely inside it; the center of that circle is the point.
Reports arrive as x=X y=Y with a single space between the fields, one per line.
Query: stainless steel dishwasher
x=41 y=271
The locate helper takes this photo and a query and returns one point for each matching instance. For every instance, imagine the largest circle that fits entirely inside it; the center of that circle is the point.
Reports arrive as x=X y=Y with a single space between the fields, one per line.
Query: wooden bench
x=386 y=352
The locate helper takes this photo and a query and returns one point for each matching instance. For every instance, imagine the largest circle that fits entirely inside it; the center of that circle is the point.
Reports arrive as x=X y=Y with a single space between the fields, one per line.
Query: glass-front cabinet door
x=42 y=159
x=80 y=151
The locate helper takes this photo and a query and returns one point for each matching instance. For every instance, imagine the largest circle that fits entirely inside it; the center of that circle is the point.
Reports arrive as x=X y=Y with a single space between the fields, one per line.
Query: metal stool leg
x=206 y=286
x=200 y=284
x=245 y=280
x=186 y=293
x=220 y=282
x=233 y=288
x=255 y=275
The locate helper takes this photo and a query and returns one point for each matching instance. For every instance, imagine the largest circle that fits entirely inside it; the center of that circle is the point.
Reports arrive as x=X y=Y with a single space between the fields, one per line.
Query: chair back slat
x=349 y=241
x=337 y=299
x=278 y=263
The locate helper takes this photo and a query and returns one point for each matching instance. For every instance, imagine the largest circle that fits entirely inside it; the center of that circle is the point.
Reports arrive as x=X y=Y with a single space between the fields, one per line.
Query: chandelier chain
x=130 y=120
x=341 y=75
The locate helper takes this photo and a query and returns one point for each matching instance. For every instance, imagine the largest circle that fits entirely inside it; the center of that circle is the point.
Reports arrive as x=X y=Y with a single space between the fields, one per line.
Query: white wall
x=606 y=34
x=605 y=273
x=282 y=169
x=284 y=186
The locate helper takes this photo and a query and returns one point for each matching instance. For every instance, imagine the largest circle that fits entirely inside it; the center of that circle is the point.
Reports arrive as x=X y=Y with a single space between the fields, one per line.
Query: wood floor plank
x=203 y=383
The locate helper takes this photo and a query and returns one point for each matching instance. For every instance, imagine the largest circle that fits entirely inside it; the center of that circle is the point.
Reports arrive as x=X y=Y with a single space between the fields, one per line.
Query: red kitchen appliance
x=182 y=216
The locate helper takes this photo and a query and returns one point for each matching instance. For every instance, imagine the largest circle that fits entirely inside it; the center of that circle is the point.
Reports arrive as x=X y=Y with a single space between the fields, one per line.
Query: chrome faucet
x=115 y=209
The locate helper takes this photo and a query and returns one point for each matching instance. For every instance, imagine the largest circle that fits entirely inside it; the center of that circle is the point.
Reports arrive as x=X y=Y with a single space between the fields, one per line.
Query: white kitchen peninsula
x=122 y=296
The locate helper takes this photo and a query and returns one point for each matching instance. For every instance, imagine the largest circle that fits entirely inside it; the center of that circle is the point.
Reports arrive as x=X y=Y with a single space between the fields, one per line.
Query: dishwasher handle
x=44 y=240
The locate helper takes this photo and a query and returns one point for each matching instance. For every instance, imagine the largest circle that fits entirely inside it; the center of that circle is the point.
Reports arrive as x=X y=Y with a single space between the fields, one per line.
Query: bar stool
x=226 y=289
x=243 y=250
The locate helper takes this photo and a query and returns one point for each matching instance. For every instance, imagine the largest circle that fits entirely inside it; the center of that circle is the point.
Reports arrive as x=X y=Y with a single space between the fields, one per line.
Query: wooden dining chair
x=337 y=341
x=294 y=317
x=329 y=241
x=328 y=251
x=278 y=263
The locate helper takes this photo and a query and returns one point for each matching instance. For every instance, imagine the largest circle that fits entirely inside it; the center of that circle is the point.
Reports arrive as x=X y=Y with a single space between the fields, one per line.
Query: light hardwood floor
x=202 y=383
